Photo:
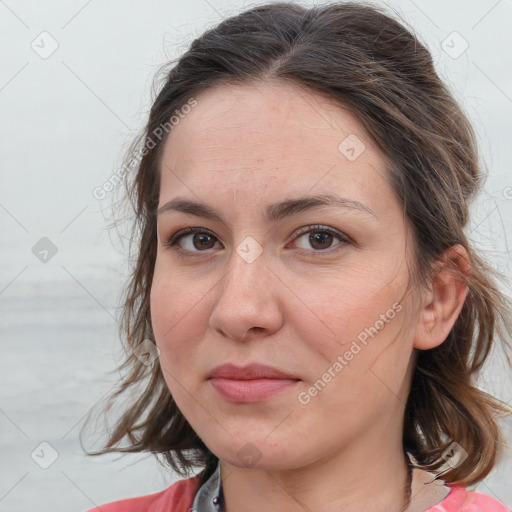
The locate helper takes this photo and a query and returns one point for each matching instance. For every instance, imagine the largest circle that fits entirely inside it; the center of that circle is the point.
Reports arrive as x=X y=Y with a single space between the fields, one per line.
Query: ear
x=443 y=301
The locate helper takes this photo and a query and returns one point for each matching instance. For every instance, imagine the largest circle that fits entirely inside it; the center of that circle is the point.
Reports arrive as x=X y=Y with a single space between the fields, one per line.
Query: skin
x=297 y=306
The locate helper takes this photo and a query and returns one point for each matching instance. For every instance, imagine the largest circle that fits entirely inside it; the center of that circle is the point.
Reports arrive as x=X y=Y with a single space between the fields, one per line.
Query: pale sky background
x=64 y=121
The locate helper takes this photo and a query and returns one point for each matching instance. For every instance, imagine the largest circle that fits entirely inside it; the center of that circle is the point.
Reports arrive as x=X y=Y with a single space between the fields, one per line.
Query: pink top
x=180 y=495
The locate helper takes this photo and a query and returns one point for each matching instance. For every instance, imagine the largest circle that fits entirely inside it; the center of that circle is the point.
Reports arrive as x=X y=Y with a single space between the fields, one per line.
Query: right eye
x=192 y=239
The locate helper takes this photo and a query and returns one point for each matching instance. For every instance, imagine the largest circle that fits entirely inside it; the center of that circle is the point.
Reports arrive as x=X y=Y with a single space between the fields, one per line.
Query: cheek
x=337 y=307
x=175 y=298
x=172 y=313
x=178 y=320
x=353 y=327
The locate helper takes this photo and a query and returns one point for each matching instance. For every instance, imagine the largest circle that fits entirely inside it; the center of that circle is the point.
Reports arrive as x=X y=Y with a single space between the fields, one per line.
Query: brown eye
x=202 y=241
x=193 y=240
x=319 y=238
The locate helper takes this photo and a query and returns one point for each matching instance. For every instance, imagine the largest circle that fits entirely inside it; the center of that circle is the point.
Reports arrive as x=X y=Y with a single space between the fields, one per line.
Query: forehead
x=264 y=135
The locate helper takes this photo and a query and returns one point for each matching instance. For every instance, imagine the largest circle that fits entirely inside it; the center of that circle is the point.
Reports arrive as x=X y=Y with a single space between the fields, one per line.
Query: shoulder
x=176 y=498
x=461 y=499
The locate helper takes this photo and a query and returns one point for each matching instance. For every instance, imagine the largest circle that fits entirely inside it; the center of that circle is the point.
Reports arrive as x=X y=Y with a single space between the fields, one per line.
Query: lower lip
x=250 y=390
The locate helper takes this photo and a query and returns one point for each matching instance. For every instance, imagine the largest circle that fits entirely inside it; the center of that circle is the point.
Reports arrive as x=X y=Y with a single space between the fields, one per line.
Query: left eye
x=319 y=238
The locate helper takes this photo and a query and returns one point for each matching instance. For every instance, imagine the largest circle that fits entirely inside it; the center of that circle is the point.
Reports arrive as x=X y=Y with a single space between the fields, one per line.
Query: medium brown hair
x=369 y=63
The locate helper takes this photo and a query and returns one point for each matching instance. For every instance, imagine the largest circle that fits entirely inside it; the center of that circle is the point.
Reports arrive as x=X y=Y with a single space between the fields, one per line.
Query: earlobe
x=443 y=301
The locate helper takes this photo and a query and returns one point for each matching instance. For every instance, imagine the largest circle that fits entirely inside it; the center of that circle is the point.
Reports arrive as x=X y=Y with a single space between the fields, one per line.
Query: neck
x=369 y=477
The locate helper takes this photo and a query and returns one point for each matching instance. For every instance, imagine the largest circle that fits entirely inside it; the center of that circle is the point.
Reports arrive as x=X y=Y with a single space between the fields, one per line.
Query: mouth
x=250 y=383
x=250 y=390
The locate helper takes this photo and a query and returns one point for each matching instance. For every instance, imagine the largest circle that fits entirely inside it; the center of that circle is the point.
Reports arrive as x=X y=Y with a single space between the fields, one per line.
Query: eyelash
x=176 y=237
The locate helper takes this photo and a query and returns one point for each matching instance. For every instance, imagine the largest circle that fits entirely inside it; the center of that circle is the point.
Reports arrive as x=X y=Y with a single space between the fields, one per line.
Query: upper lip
x=248 y=372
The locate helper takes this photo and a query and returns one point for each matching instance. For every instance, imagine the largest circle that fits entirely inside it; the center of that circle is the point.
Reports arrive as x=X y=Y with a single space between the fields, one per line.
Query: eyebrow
x=273 y=212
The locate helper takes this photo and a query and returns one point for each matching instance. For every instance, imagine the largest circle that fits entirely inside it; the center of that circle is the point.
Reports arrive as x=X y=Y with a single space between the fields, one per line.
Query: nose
x=248 y=301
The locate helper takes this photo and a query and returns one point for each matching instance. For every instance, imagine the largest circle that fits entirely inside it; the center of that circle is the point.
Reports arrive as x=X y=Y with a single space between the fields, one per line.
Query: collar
x=208 y=498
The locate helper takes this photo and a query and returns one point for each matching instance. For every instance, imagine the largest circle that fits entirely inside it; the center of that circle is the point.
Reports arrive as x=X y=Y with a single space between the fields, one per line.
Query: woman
x=317 y=312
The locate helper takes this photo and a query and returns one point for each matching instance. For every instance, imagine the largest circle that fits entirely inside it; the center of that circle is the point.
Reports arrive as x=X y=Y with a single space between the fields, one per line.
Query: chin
x=259 y=454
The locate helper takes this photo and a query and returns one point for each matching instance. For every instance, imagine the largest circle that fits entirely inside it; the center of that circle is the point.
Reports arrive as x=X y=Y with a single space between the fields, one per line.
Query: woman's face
x=277 y=278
